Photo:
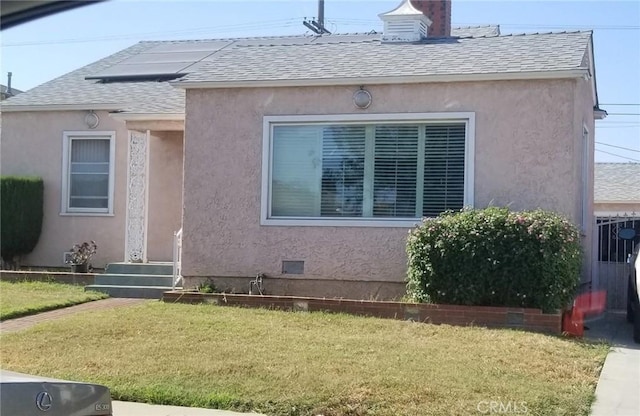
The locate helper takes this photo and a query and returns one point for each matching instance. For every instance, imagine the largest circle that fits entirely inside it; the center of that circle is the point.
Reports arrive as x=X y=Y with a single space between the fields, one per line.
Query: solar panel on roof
x=124 y=70
x=211 y=46
x=165 y=59
x=178 y=58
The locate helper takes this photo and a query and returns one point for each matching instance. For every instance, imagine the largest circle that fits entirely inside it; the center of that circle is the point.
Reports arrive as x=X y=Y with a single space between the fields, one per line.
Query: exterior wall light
x=362 y=98
x=91 y=119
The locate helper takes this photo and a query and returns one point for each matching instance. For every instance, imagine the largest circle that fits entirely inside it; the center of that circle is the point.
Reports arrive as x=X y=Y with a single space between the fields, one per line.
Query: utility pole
x=9 y=92
x=317 y=26
x=321 y=13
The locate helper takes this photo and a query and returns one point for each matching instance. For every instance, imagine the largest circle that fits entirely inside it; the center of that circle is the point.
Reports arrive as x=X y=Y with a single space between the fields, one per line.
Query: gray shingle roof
x=619 y=182
x=73 y=89
x=371 y=58
x=475 y=50
x=475 y=31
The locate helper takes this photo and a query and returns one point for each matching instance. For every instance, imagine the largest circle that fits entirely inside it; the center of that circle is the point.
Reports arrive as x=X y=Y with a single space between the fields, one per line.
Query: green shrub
x=21 y=215
x=495 y=257
x=208 y=286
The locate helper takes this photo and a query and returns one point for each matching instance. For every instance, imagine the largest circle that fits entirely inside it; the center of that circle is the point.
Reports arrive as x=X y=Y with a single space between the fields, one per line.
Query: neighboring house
x=617 y=189
x=616 y=206
x=8 y=92
x=307 y=158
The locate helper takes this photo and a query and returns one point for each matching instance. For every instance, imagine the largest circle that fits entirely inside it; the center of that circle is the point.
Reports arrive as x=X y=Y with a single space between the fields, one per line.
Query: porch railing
x=177 y=258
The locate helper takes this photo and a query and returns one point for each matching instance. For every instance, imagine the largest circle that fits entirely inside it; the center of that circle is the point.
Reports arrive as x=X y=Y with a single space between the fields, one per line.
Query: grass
x=26 y=298
x=283 y=363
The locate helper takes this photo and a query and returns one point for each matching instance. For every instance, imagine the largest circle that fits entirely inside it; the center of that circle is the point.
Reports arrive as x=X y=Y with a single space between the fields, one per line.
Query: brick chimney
x=439 y=12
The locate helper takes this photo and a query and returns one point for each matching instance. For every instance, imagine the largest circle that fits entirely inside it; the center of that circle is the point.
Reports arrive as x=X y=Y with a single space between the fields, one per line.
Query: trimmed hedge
x=21 y=215
x=495 y=257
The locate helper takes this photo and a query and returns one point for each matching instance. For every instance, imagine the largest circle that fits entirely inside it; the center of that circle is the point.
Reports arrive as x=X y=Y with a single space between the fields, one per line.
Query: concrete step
x=153 y=268
x=110 y=279
x=143 y=292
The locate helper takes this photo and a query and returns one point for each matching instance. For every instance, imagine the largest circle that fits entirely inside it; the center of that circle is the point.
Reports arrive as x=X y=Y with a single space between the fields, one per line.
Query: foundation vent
x=292 y=267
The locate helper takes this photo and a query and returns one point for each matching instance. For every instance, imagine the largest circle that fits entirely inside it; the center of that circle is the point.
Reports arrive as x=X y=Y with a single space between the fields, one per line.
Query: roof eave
x=594 y=85
x=318 y=82
x=616 y=201
x=8 y=108
x=599 y=114
x=124 y=116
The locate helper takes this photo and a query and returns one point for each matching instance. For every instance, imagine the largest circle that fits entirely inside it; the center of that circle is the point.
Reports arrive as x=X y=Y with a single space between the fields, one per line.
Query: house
x=6 y=92
x=616 y=207
x=307 y=158
x=617 y=189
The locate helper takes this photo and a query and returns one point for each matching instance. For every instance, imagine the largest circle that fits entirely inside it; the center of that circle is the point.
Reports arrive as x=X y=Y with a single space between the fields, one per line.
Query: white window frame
x=269 y=122
x=67 y=138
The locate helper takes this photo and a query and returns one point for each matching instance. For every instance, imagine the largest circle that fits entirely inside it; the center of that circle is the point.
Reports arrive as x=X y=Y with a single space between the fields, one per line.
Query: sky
x=46 y=48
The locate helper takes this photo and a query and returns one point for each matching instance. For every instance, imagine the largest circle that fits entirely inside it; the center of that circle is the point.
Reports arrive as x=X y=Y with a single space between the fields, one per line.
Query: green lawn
x=26 y=298
x=285 y=363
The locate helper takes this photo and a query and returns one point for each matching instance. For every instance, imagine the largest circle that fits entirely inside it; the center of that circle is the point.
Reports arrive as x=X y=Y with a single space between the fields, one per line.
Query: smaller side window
x=88 y=170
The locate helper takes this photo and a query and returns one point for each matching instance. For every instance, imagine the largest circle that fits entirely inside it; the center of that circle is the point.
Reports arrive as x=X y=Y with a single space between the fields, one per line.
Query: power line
x=546 y=26
x=534 y=25
x=618 y=147
x=270 y=24
x=620 y=156
x=209 y=29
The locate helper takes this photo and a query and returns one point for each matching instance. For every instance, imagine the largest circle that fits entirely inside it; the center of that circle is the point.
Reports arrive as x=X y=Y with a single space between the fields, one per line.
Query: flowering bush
x=81 y=253
x=495 y=257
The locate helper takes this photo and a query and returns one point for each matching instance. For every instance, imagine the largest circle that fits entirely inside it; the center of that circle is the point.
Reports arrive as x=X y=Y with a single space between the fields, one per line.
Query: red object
x=439 y=12
x=573 y=322
x=592 y=303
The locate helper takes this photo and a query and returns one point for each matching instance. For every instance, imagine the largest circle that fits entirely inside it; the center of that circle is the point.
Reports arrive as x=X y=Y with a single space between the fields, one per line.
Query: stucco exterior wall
x=584 y=162
x=525 y=157
x=165 y=193
x=32 y=144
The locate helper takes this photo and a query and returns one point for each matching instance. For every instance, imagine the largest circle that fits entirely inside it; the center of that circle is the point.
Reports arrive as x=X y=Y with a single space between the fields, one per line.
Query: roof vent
x=405 y=23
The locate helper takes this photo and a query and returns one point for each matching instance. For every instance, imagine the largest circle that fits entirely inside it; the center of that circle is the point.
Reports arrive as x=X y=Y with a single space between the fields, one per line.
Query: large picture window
x=88 y=172
x=365 y=172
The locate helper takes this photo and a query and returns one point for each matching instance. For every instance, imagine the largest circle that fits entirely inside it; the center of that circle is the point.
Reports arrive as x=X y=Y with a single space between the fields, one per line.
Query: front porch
x=136 y=280
x=153 y=209
x=153 y=187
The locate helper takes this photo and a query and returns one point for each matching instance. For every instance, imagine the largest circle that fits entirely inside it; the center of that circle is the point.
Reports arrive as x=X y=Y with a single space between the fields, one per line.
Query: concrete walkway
x=618 y=390
x=141 y=409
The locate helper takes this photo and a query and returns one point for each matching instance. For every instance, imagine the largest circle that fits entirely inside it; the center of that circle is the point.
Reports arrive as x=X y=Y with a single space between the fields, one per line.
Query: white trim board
x=387 y=80
x=148 y=116
x=62 y=107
